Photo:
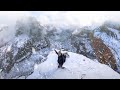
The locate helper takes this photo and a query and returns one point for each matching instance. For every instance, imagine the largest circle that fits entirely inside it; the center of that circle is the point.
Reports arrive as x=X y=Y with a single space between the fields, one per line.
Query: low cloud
x=9 y=18
x=82 y=18
x=58 y=18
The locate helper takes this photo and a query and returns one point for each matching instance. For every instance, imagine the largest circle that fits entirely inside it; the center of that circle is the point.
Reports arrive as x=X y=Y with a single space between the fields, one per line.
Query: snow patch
x=76 y=67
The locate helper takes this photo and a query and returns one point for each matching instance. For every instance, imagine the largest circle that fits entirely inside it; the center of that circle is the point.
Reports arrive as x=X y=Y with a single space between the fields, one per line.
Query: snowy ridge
x=47 y=30
x=76 y=67
x=112 y=42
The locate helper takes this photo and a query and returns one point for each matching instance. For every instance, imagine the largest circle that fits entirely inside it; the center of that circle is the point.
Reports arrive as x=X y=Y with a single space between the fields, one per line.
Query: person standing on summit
x=61 y=58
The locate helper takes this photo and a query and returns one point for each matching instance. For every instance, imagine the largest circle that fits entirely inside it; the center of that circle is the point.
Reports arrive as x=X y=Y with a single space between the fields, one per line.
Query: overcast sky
x=61 y=17
x=76 y=17
x=56 y=17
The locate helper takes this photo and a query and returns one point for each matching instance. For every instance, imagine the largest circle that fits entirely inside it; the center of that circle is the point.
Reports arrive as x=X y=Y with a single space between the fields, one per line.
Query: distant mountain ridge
x=44 y=38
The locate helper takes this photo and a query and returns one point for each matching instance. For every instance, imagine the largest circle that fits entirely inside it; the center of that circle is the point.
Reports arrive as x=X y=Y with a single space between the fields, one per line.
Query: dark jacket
x=61 y=59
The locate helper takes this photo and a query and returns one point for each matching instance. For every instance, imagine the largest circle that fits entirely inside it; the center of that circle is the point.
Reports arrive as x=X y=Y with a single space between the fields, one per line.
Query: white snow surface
x=21 y=40
x=76 y=67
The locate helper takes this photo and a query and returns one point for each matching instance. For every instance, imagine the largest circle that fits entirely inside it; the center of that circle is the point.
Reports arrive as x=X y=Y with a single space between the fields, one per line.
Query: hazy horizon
x=62 y=18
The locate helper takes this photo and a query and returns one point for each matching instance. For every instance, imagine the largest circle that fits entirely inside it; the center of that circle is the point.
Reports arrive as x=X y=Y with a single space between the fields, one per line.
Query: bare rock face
x=13 y=53
x=82 y=42
x=86 y=43
x=103 y=53
x=17 y=55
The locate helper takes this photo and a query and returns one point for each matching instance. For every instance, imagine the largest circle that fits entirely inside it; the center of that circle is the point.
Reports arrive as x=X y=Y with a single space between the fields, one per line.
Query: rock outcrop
x=103 y=53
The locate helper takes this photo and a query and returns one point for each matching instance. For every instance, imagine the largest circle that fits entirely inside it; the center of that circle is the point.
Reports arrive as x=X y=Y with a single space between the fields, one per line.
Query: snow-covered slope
x=76 y=67
x=111 y=38
x=34 y=40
